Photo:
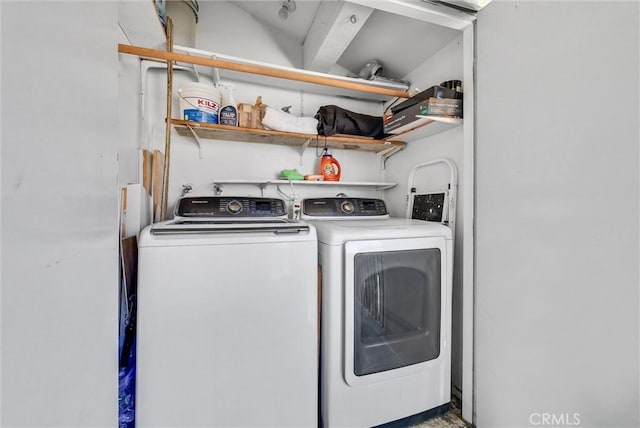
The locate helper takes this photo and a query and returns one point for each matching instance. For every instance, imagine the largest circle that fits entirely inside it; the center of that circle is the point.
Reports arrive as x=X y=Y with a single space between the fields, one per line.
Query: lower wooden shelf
x=234 y=133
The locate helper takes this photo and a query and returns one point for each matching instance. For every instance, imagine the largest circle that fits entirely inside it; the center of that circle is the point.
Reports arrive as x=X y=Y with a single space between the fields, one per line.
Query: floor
x=451 y=419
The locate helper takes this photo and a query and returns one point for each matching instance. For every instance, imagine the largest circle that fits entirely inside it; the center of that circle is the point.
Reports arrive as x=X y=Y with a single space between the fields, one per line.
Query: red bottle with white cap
x=329 y=167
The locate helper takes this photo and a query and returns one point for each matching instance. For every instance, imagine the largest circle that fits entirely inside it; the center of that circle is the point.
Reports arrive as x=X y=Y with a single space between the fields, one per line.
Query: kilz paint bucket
x=199 y=102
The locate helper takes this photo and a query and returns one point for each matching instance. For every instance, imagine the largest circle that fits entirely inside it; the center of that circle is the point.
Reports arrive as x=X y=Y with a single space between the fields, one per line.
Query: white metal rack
x=262 y=184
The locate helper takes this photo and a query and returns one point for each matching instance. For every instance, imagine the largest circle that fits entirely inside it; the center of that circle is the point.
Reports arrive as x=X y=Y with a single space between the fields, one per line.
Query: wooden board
x=364 y=86
x=240 y=134
x=157 y=172
x=147 y=161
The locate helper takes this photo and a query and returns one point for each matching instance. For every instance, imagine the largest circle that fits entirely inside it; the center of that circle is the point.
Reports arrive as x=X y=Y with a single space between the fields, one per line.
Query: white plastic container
x=199 y=102
x=184 y=14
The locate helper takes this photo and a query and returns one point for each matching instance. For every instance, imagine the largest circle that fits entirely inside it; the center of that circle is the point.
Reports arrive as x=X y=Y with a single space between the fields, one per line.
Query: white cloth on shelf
x=278 y=120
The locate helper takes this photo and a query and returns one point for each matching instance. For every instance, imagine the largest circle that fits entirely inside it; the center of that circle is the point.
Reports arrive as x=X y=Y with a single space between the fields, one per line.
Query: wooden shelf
x=250 y=135
x=426 y=126
x=290 y=78
x=266 y=182
x=269 y=70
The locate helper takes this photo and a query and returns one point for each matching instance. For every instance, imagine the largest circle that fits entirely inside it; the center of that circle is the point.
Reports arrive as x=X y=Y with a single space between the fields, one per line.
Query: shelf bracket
x=304 y=147
x=263 y=187
x=195 y=136
x=386 y=154
x=196 y=72
x=194 y=68
x=384 y=187
x=215 y=72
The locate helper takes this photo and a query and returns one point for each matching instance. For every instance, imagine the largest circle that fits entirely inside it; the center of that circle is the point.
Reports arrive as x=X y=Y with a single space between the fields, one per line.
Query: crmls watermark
x=555 y=419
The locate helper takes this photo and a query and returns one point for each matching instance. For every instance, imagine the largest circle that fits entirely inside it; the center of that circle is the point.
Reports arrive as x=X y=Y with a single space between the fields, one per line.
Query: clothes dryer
x=386 y=313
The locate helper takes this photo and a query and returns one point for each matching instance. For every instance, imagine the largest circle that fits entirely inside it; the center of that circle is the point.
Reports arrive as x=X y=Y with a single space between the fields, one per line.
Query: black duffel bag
x=336 y=120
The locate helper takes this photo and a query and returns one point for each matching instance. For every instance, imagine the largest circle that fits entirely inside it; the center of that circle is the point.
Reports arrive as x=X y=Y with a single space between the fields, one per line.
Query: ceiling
x=399 y=43
x=295 y=26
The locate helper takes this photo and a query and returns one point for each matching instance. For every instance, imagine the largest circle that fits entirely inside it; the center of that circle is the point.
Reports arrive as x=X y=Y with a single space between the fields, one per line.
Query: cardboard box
x=443 y=107
x=405 y=120
x=250 y=115
x=408 y=118
x=432 y=92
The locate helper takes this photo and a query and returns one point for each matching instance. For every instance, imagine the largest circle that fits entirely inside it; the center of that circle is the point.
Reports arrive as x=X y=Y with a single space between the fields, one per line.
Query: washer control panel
x=228 y=207
x=343 y=207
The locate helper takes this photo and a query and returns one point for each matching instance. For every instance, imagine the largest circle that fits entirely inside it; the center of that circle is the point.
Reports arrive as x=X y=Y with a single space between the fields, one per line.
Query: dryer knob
x=234 y=207
x=347 y=207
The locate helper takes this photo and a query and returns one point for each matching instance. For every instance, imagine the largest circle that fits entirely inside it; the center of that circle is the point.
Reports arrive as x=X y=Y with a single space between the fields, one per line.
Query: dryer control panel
x=343 y=207
x=230 y=207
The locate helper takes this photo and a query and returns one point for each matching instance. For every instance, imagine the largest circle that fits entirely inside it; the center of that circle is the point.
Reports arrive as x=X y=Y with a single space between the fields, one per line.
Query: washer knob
x=347 y=207
x=234 y=207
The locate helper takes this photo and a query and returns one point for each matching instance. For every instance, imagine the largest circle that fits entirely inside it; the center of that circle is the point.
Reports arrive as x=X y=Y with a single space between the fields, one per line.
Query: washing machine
x=386 y=313
x=227 y=330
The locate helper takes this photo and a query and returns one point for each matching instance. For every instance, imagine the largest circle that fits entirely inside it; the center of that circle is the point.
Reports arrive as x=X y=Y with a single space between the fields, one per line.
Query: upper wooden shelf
x=251 y=135
x=268 y=70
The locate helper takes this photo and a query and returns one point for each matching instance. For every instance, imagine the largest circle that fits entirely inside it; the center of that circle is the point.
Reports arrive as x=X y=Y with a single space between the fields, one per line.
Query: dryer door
x=396 y=300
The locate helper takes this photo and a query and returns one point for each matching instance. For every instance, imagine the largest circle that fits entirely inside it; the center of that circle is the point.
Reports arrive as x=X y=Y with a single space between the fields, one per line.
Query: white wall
x=225 y=28
x=444 y=65
x=59 y=291
x=557 y=214
x=131 y=124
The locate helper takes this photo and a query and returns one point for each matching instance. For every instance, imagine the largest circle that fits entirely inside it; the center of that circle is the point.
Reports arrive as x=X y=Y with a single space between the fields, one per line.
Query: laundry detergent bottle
x=329 y=167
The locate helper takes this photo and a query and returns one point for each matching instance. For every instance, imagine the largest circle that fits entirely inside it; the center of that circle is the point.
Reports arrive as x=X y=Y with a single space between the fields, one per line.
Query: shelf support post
x=167 y=133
